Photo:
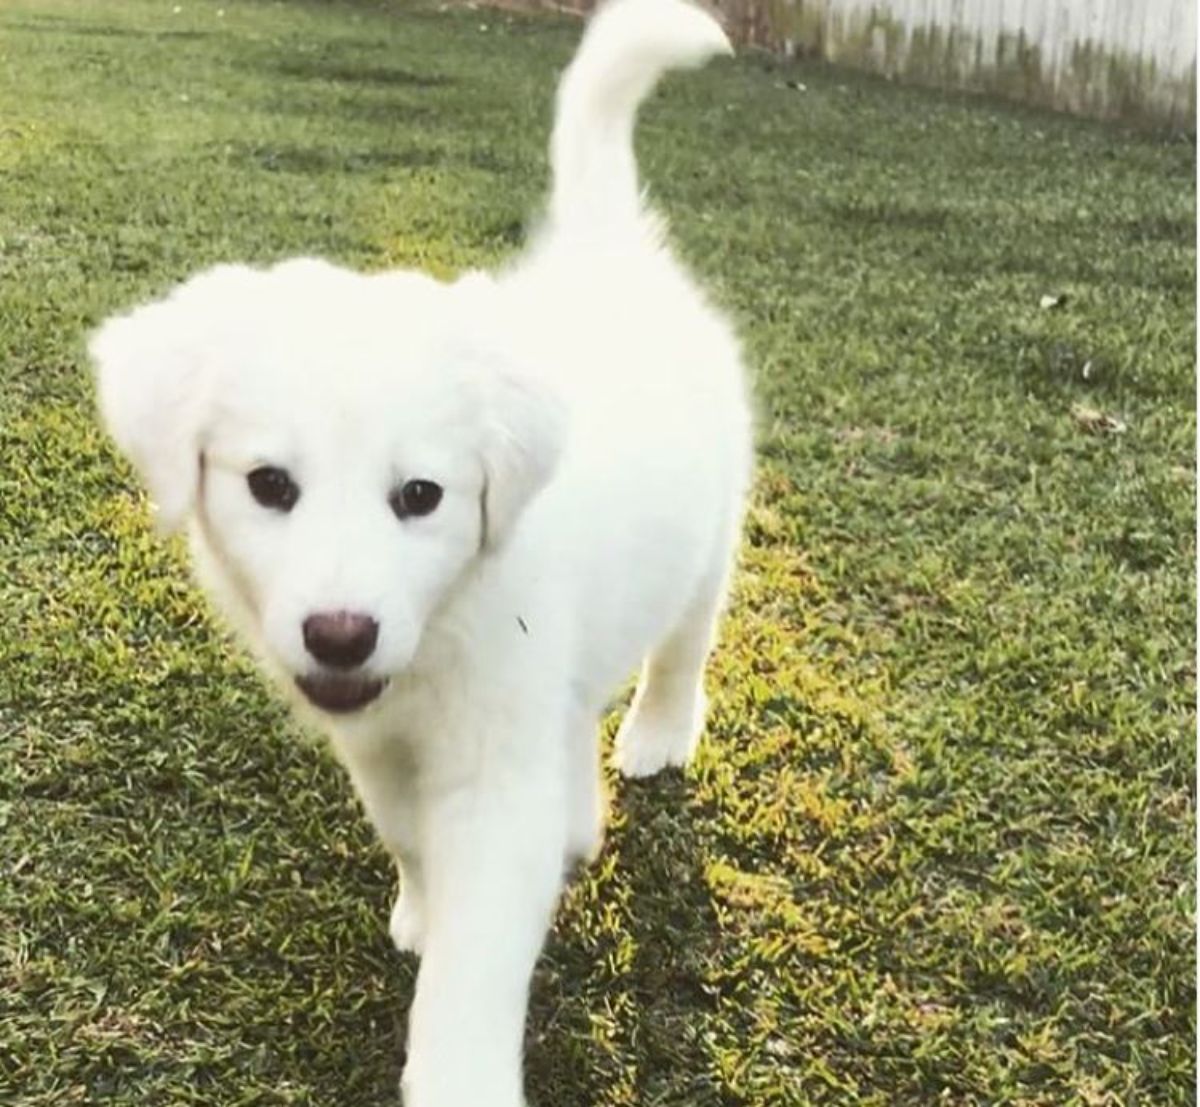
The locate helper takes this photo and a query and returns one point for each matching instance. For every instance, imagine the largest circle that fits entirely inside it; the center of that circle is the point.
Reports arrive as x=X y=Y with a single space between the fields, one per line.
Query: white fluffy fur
x=585 y=413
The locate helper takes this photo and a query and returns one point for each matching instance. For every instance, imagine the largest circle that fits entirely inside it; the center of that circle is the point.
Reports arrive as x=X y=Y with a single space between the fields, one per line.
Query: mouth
x=338 y=693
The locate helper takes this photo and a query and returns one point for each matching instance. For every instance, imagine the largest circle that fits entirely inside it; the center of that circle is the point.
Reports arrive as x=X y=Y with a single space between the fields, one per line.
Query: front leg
x=491 y=873
x=407 y=923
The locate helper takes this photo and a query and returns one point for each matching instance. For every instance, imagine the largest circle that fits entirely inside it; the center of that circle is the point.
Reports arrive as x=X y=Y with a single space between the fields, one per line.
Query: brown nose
x=340 y=639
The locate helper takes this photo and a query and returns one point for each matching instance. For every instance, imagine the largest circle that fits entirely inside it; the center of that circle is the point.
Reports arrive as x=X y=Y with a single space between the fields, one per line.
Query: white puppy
x=451 y=519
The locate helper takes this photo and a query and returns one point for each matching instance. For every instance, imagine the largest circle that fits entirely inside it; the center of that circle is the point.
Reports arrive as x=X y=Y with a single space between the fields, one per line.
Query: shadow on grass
x=321 y=160
x=40 y=24
x=355 y=107
x=867 y=214
x=382 y=76
x=678 y=939
x=624 y=1007
x=1025 y=254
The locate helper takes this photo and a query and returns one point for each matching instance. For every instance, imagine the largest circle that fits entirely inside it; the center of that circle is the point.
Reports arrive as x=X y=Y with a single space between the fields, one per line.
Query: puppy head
x=343 y=445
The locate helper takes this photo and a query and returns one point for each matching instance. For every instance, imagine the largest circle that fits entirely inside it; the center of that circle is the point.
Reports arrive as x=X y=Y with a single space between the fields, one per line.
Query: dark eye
x=273 y=488
x=416 y=497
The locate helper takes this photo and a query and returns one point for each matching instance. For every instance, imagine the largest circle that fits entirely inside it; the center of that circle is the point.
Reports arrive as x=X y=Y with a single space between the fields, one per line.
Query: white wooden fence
x=1129 y=58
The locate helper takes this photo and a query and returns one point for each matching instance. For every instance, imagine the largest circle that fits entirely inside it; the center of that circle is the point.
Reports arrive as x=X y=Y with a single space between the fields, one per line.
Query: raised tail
x=627 y=46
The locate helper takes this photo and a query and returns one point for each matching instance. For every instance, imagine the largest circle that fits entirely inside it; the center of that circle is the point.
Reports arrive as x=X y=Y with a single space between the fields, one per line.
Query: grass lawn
x=938 y=848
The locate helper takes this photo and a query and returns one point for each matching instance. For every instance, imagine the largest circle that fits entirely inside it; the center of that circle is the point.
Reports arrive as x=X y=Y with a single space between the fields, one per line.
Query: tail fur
x=627 y=46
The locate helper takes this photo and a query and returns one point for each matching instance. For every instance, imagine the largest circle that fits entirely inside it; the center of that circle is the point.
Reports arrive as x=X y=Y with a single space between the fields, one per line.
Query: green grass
x=938 y=848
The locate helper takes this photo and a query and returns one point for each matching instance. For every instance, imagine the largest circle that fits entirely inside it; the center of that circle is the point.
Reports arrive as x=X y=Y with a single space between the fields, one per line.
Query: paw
x=405 y=926
x=652 y=740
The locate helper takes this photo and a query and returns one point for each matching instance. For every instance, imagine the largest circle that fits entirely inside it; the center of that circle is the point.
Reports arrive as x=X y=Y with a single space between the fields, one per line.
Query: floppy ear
x=154 y=383
x=524 y=434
